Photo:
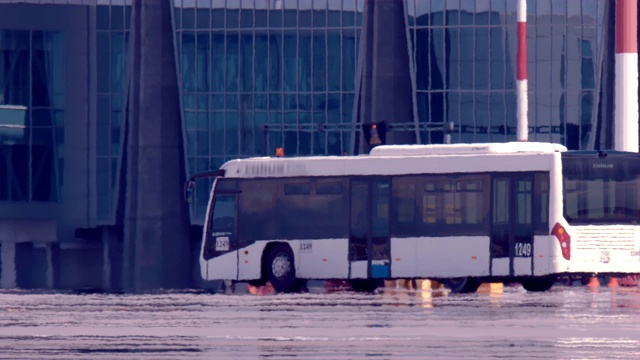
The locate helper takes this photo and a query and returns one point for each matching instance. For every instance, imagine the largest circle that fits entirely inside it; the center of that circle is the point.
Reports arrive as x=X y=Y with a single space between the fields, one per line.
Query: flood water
x=563 y=323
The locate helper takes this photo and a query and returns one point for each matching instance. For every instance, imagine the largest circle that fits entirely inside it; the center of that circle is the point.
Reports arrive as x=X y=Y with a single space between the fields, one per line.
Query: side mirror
x=189 y=190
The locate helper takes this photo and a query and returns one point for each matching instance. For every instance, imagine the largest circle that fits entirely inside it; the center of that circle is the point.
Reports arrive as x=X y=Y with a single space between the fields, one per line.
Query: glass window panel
x=247 y=62
x=232 y=17
x=246 y=102
x=217 y=102
x=217 y=18
x=232 y=57
x=290 y=18
x=190 y=120
x=304 y=61
x=304 y=102
x=189 y=102
x=275 y=61
x=320 y=61
x=246 y=18
x=348 y=18
x=261 y=66
x=191 y=143
x=304 y=18
x=203 y=120
x=261 y=18
x=501 y=64
x=188 y=18
x=320 y=103
x=231 y=102
x=231 y=134
x=319 y=18
x=217 y=133
x=275 y=101
x=203 y=20
x=347 y=104
x=275 y=18
x=117 y=17
x=202 y=141
x=102 y=17
x=261 y=101
x=43 y=170
x=349 y=61
x=543 y=11
x=217 y=62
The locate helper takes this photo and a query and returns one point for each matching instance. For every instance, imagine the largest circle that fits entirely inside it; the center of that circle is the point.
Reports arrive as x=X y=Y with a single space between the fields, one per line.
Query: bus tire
x=461 y=285
x=538 y=284
x=281 y=270
x=364 y=285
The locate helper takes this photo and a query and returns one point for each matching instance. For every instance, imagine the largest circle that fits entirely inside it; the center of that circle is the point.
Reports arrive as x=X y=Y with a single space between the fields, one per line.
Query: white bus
x=462 y=214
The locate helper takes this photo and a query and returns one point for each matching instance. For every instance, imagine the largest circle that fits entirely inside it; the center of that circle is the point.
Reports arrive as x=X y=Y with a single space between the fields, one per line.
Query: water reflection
x=400 y=321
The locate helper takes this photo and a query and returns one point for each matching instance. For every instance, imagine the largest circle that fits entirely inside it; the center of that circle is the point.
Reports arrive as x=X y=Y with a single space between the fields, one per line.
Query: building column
x=386 y=90
x=156 y=232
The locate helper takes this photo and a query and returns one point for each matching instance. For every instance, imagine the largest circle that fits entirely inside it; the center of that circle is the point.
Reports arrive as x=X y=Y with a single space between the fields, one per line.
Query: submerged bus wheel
x=538 y=283
x=462 y=285
x=281 y=270
x=365 y=285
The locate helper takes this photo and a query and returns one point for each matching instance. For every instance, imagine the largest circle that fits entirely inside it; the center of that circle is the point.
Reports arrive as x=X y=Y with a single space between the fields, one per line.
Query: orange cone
x=593 y=282
x=613 y=282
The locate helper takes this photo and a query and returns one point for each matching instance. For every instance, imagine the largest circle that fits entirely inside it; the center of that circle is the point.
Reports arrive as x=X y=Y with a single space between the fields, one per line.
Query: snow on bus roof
x=397 y=159
x=458 y=149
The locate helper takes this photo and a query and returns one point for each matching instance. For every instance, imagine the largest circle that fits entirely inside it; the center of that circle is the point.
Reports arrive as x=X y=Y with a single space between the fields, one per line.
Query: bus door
x=221 y=236
x=369 y=244
x=511 y=225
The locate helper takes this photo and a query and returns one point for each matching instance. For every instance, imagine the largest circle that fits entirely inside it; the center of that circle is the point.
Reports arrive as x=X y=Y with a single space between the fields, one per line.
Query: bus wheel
x=364 y=285
x=281 y=270
x=461 y=285
x=538 y=284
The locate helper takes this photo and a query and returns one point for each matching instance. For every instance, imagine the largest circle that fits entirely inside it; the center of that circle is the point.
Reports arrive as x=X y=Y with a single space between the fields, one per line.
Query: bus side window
x=224 y=214
x=403 y=202
x=257 y=210
x=454 y=205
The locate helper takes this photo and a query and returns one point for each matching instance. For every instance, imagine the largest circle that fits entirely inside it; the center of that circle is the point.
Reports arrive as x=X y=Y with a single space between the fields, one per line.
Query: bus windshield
x=601 y=188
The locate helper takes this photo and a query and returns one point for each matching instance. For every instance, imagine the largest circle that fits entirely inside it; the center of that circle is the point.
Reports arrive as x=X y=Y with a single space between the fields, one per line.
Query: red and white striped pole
x=521 y=74
x=626 y=84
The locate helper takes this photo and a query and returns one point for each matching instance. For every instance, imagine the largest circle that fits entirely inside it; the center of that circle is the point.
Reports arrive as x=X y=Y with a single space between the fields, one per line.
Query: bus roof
x=456 y=149
x=403 y=159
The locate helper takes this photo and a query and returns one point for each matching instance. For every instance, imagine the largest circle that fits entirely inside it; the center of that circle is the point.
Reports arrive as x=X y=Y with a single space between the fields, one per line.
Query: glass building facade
x=464 y=61
x=32 y=115
x=255 y=75
x=112 y=42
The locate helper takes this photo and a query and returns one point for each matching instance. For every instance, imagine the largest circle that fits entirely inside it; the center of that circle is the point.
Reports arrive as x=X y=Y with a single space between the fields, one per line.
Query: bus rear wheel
x=462 y=285
x=365 y=285
x=281 y=270
x=538 y=284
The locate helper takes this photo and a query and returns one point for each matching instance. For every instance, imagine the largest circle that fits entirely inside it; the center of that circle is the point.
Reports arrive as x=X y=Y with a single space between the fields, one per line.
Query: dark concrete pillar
x=386 y=92
x=24 y=265
x=39 y=267
x=156 y=247
x=112 y=259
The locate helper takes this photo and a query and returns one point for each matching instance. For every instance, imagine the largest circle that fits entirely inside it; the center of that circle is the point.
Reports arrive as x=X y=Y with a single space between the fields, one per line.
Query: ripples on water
x=564 y=323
